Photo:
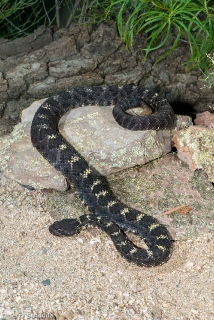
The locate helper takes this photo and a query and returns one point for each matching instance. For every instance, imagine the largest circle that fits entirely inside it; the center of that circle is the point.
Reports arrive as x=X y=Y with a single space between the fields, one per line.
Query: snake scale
x=106 y=211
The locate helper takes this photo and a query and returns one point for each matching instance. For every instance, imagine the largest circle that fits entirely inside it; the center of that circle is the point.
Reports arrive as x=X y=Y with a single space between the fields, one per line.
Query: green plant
x=16 y=17
x=190 y=21
x=20 y=17
x=209 y=77
x=193 y=20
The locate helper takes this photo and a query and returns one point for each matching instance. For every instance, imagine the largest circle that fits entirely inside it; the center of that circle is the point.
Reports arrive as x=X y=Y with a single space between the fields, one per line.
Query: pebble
x=46 y=282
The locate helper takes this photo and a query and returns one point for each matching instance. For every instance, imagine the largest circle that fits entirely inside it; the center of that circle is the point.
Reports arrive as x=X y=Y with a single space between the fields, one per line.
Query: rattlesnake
x=107 y=212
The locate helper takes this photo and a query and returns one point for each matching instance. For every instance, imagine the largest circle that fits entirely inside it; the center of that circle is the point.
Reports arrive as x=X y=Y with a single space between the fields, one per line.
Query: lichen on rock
x=195 y=146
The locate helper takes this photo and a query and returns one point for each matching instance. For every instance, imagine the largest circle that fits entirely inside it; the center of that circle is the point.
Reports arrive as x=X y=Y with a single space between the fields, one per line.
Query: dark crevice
x=174 y=149
x=183 y=108
x=3 y=109
x=52 y=32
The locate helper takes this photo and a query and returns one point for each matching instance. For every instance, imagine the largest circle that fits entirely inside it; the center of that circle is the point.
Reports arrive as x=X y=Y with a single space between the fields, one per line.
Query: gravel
x=84 y=277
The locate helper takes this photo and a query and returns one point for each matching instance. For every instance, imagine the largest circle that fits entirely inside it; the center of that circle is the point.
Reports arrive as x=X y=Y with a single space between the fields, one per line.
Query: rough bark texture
x=42 y=63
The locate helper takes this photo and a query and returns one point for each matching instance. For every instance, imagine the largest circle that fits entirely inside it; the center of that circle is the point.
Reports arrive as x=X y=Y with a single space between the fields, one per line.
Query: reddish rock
x=205 y=119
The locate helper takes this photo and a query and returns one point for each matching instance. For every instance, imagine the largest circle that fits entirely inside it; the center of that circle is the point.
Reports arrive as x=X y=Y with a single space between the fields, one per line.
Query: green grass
x=189 y=21
x=16 y=17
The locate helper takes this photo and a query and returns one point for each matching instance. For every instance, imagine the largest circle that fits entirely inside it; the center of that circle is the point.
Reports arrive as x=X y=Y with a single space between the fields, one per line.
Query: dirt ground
x=84 y=277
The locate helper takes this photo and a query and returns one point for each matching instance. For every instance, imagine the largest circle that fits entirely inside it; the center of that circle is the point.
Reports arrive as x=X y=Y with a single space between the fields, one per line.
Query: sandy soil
x=84 y=277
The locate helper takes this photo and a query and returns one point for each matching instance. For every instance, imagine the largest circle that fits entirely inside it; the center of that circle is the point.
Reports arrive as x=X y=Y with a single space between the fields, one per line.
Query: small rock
x=195 y=147
x=205 y=119
x=156 y=313
x=69 y=315
x=46 y=282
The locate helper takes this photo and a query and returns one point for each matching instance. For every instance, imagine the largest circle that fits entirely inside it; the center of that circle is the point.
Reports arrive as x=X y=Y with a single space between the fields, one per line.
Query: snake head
x=64 y=228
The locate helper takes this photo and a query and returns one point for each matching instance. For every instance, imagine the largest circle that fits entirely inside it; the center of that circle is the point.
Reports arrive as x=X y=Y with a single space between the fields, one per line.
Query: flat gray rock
x=94 y=133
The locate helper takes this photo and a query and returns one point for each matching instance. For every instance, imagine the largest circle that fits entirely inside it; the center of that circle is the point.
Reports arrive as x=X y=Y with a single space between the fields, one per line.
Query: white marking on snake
x=124 y=211
x=140 y=216
x=95 y=183
x=74 y=159
x=154 y=226
x=62 y=146
x=101 y=193
x=53 y=136
x=111 y=203
x=86 y=173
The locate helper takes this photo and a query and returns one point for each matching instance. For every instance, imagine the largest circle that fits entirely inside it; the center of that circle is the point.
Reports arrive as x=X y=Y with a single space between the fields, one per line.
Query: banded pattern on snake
x=107 y=212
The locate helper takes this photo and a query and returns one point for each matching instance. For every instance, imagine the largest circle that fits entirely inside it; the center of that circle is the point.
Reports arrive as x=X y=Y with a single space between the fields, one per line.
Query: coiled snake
x=107 y=212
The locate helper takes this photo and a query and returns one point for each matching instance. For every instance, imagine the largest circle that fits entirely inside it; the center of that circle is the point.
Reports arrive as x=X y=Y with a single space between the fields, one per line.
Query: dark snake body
x=107 y=212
